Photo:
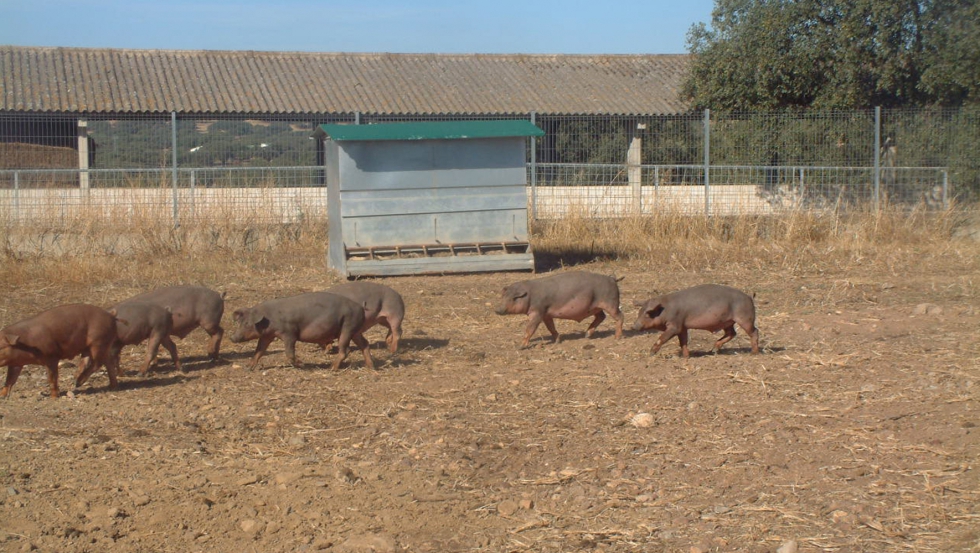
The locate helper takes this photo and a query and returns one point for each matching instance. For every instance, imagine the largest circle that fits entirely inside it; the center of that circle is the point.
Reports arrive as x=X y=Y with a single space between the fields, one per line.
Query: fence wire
x=270 y=168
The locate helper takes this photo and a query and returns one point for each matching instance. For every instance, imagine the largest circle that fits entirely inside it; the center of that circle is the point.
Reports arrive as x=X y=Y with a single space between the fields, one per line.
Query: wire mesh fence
x=270 y=168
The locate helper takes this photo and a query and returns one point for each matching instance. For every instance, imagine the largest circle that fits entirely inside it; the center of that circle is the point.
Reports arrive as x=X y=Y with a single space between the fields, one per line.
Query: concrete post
x=83 y=155
x=634 y=171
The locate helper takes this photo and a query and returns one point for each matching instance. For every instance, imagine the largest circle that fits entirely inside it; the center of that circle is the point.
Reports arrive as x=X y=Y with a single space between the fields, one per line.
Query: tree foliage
x=835 y=54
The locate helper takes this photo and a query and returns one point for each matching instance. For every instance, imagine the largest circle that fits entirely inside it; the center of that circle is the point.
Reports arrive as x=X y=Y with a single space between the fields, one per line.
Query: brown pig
x=711 y=307
x=137 y=321
x=315 y=317
x=574 y=295
x=60 y=333
x=381 y=304
x=191 y=307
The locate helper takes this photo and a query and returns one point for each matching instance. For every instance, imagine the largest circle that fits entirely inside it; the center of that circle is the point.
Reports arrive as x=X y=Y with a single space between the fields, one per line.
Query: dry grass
x=141 y=246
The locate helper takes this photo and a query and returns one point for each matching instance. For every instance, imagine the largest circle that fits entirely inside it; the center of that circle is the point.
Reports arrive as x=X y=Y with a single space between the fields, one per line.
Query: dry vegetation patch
x=854 y=430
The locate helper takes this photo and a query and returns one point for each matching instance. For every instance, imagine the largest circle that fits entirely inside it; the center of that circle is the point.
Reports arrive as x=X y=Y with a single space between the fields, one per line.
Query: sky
x=423 y=26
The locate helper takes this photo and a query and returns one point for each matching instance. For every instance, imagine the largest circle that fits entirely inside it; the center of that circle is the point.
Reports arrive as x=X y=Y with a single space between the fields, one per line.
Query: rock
x=247 y=481
x=642 y=420
x=287 y=477
x=251 y=526
x=789 y=546
x=930 y=309
x=369 y=543
x=346 y=475
x=507 y=508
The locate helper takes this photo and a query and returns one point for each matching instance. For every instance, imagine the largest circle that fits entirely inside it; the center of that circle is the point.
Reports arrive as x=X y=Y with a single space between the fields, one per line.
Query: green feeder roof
x=432 y=130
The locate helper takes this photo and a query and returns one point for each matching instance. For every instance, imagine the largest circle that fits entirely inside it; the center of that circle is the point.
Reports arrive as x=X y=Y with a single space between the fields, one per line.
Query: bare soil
x=856 y=428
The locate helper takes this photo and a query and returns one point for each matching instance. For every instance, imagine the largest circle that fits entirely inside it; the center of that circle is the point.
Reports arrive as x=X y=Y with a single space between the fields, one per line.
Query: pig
x=711 y=307
x=60 y=333
x=574 y=295
x=381 y=304
x=315 y=317
x=137 y=321
x=191 y=307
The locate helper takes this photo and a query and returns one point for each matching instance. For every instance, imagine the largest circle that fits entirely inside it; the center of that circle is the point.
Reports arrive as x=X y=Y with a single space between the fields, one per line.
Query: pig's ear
x=262 y=324
x=521 y=294
x=238 y=315
x=655 y=311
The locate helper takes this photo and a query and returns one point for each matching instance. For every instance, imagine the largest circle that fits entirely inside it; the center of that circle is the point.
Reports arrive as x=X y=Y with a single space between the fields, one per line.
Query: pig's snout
x=501 y=308
x=241 y=335
x=638 y=324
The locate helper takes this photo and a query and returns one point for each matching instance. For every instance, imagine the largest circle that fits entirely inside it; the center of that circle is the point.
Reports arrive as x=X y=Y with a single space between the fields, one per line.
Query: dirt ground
x=856 y=428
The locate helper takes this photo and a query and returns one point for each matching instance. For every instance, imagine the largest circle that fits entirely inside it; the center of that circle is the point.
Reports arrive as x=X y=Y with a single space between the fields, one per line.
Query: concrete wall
x=288 y=205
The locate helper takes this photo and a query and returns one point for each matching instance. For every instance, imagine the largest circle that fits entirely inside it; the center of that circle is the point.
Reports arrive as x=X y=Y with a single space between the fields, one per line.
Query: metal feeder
x=432 y=197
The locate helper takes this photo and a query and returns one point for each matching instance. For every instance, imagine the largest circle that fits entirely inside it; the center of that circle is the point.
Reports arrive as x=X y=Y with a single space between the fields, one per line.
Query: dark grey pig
x=59 y=333
x=316 y=318
x=191 y=307
x=574 y=295
x=381 y=304
x=137 y=321
x=711 y=307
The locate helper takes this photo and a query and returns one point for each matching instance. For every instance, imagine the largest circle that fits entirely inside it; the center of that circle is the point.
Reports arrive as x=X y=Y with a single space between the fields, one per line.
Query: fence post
x=17 y=196
x=707 y=162
x=945 y=189
x=802 y=186
x=534 y=170
x=634 y=171
x=173 y=149
x=193 y=209
x=877 y=168
x=83 y=155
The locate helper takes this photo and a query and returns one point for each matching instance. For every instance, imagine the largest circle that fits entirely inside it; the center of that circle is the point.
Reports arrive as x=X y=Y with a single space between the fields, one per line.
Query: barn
x=52 y=98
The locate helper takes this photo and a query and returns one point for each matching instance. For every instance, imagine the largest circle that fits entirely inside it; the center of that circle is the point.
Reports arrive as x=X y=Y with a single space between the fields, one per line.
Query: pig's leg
x=549 y=323
x=729 y=334
x=534 y=319
x=172 y=348
x=343 y=348
x=216 y=333
x=289 y=344
x=753 y=333
x=12 y=374
x=618 y=316
x=394 y=325
x=670 y=330
x=152 y=347
x=85 y=370
x=111 y=368
x=116 y=353
x=682 y=337
x=260 y=348
x=52 y=378
x=599 y=317
x=362 y=343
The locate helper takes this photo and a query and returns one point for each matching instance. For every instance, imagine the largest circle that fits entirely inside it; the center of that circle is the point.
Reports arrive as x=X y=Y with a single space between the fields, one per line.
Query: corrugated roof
x=86 y=80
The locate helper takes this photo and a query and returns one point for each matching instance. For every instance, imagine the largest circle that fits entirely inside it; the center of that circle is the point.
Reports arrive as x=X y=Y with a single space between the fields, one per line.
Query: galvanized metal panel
x=440 y=228
x=420 y=194
x=432 y=163
x=381 y=203
x=439 y=265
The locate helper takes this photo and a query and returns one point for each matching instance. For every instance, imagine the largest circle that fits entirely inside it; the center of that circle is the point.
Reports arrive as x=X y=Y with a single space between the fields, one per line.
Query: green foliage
x=146 y=143
x=835 y=54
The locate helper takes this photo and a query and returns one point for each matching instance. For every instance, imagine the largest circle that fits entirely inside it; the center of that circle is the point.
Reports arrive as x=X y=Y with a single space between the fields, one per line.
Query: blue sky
x=423 y=26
